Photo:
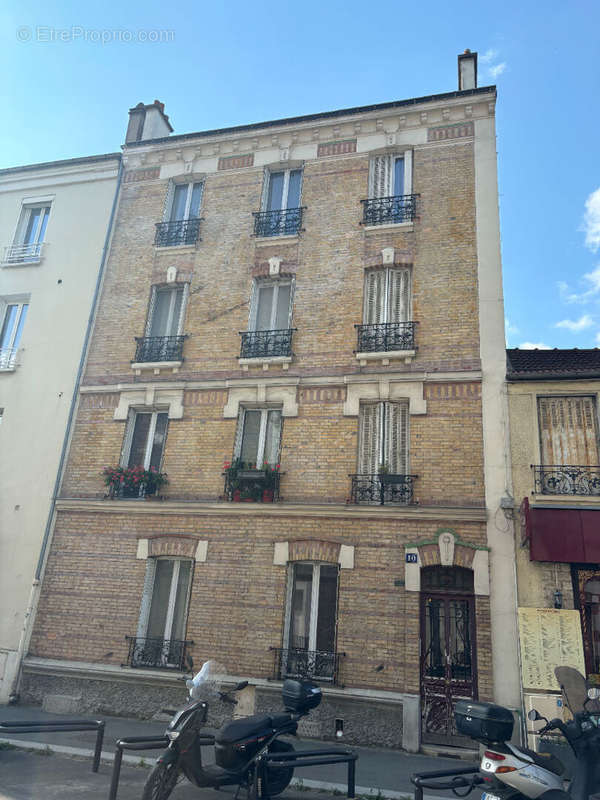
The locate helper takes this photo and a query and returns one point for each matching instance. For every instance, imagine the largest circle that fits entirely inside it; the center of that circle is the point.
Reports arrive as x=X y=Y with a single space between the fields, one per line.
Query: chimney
x=467 y=71
x=147 y=122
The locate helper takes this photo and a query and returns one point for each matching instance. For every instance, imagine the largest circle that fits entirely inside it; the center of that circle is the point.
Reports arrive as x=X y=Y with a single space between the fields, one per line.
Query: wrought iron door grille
x=283 y=222
x=153 y=653
x=171 y=234
x=266 y=344
x=22 y=253
x=385 y=336
x=380 y=489
x=295 y=662
x=159 y=348
x=389 y=210
x=568 y=479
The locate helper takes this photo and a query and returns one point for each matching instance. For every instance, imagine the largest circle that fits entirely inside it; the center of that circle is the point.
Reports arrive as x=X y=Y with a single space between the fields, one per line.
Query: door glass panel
x=293 y=198
x=249 y=451
x=183 y=584
x=265 y=307
x=271 y=455
x=399 y=176
x=435 y=634
x=179 y=202
x=160 y=314
x=44 y=223
x=326 y=611
x=9 y=323
x=282 y=314
x=459 y=640
x=195 y=201
x=160 y=599
x=301 y=606
x=159 y=440
x=139 y=440
x=32 y=226
x=21 y=322
x=275 y=195
x=174 y=321
x=592 y=608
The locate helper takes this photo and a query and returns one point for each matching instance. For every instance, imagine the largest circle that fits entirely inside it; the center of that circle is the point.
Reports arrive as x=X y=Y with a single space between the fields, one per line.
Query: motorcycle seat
x=244 y=728
x=279 y=720
x=545 y=760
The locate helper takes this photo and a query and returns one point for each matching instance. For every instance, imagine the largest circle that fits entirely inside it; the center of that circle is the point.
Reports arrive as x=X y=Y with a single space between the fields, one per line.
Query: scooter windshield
x=573 y=686
x=205 y=684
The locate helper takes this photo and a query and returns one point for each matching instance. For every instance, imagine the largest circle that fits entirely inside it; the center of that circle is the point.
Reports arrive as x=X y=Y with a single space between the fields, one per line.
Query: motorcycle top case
x=300 y=695
x=483 y=721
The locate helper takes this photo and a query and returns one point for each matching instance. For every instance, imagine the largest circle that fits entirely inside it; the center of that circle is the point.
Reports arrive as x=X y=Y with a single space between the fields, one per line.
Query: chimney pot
x=147 y=122
x=467 y=70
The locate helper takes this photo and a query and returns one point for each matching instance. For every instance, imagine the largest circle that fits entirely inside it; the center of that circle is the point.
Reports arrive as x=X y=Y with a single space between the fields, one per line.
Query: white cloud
x=593 y=290
x=534 y=346
x=576 y=326
x=591 y=221
x=497 y=70
x=510 y=330
x=489 y=55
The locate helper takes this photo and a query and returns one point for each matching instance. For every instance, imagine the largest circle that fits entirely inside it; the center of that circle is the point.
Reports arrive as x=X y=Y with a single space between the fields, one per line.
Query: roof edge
x=545 y=376
x=66 y=162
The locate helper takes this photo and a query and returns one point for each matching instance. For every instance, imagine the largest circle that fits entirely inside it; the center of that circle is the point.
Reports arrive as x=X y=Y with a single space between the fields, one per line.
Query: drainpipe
x=35 y=587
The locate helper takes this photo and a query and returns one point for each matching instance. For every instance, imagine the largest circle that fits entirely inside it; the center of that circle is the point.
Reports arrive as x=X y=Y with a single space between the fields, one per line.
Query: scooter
x=238 y=745
x=517 y=772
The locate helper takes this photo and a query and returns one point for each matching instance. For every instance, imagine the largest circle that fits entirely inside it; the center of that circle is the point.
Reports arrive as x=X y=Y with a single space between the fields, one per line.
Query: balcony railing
x=568 y=479
x=172 y=234
x=159 y=348
x=385 y=336
x=246 y=484
x=8 y=357
x=382 y=489
x=154 y=653
x=284 y=222
x=266 y=344
x=389 y=210
x=293 y=662
x=22 y=253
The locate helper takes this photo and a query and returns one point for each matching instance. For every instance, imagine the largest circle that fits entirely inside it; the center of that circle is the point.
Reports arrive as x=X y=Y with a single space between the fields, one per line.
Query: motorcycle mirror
x=593 y=693
x=534 y=716
x=241 y=685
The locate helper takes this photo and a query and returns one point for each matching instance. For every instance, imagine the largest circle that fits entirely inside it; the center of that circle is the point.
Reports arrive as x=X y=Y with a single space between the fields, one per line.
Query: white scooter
x=517 y=772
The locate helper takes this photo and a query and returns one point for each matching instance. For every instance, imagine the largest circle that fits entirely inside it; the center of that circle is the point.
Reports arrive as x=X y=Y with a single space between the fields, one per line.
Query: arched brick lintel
x=446 y=549
x=314 y=550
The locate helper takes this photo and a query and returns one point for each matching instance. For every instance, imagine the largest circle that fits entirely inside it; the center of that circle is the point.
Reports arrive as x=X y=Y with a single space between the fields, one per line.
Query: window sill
x=139 y=366
x=8 y=369
x=29 y=262
x=406 y=226
x=180 y=248
x=277 y=239
x=246 y=363
x=386 y=357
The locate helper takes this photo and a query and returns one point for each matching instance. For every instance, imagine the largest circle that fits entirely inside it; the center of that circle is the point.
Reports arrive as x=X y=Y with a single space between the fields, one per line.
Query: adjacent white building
x=54 y=229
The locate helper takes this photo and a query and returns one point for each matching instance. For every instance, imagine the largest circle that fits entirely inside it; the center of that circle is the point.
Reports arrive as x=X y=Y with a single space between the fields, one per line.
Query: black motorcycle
x=238 y=745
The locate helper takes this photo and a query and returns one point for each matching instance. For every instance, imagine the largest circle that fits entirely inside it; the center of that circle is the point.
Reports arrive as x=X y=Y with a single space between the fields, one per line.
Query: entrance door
x=448 y=665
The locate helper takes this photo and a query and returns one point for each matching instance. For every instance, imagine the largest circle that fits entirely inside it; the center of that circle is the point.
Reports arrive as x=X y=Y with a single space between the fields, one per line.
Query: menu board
x=549 y=638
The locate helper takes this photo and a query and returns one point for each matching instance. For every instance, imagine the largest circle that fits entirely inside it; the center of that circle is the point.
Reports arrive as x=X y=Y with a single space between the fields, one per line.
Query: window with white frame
x=386 y=296
x=165 y=315
x=185 y=202
x=163 y=615
x=282 y=190
x=10 y=335
x=311 y=620
x=29 y=237
x=145 y=438
x=383 y=438
x=258 y=436
x=271 y=307
x=389 y=175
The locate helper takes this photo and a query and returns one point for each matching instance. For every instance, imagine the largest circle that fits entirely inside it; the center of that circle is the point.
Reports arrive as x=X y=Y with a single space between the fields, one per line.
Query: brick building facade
x=370 y=570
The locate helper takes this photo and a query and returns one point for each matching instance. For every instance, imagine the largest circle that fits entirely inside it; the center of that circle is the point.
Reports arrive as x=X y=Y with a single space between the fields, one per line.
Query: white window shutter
x=151 y=305
x=168 y=200
x=369 y=423
x=237 y=445
x=408 y=171
x=374 y=302
x=396 y=445
x=568 y=431
x=129 y=427
x=399 y=295
x=381 y=176
x=146 y=597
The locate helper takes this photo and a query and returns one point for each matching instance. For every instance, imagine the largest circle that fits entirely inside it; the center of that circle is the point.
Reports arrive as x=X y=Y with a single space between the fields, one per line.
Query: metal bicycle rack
x=60 y=726
x=457 y=776
x=304 y=758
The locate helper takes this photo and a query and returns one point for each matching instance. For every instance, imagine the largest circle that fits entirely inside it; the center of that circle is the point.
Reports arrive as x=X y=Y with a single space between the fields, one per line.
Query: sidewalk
x=377 y=770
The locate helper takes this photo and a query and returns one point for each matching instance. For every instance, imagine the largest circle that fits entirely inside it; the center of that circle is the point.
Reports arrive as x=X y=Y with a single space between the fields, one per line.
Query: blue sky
x=65 y=93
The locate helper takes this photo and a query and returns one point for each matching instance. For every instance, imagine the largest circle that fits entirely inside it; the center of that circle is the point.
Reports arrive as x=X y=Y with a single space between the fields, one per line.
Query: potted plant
x=133 y=481
x=153 y=482
x=270 y=483
x=385 y=476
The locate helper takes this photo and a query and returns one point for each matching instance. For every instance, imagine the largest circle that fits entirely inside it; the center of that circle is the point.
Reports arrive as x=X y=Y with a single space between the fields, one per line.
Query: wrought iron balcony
x=266 y=344
x=382 y=489
x=158 y=653
x=159 y=348
x=172 y=234
x=284 y=222
x=389 y=210
x=385 y=336
x=8 y=357
x=568 y=479
x=22 y=253
x=295 y=662
x=245 y=483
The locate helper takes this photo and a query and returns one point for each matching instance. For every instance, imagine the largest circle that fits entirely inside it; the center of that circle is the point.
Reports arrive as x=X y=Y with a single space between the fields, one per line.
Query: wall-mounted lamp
x=558 y=598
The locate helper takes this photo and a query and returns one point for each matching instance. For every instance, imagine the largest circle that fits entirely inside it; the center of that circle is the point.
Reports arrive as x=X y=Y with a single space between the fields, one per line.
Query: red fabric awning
x=570 y=535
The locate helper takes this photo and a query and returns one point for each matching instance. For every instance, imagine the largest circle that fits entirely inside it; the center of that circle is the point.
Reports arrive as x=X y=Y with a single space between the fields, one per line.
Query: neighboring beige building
x=321 y=293
x=53 y=229
x=553 y=400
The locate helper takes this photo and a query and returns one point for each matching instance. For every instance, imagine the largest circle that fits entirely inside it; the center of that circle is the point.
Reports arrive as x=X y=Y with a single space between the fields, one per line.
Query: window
x=163 y=616
x=186 y=201
x=281 y=213
x=390 y=186
x=163 y=340
x=387 y=176
x=145 y=439
x=387 y=296
x=10 y=336
x=27 y=246
x=181 y=218
x=383 y=438
x=271 y=306
x=310 y=634
x=259 y=436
